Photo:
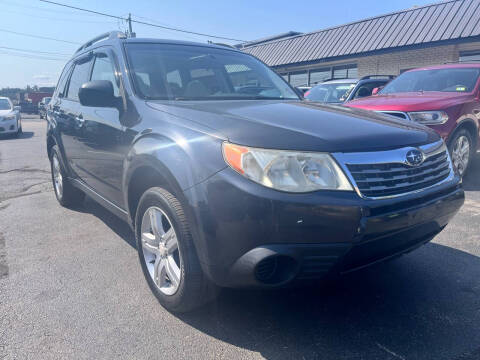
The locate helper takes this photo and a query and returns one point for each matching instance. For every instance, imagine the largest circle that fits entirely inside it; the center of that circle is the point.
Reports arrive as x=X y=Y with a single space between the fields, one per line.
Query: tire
x=188 y=287
x=19 y=129
x=66 y=194
x=461 y=159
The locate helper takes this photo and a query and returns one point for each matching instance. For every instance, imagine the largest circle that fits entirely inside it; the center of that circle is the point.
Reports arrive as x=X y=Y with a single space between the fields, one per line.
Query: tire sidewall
x=155 y=198
x=55 y=153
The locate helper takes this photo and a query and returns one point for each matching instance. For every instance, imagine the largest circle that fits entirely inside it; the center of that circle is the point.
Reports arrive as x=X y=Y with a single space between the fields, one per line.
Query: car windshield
x=444 y=80
x=5 y=104
x=187 y=72
x=330 y=93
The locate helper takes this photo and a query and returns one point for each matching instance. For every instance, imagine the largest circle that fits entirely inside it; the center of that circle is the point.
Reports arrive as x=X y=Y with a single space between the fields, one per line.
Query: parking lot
x=71 y=287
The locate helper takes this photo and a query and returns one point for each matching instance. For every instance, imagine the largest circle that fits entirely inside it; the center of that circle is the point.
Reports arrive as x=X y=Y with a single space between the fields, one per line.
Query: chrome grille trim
x=399 y=114
x=386 y=174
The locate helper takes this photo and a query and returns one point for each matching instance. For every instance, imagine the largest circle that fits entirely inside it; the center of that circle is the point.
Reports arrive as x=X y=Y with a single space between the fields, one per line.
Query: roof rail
x=377 y=76
x=462 y=61
x=105 y=36
x=334 y=78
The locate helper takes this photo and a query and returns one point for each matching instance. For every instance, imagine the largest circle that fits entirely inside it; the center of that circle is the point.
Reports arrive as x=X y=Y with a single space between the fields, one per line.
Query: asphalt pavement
x=71 y=288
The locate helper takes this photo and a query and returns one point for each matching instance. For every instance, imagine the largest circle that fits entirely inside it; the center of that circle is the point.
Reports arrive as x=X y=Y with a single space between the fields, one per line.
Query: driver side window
x=103 y=69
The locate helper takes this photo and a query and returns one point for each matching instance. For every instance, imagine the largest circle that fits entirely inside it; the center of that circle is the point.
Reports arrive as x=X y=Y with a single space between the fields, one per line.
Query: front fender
x=183 y=161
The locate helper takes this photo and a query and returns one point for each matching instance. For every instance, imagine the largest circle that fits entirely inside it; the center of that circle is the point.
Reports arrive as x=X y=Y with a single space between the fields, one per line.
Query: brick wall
x=394 y=62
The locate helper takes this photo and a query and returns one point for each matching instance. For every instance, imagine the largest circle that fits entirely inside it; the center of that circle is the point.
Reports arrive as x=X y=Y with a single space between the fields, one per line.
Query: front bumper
x=8 y=127
x=249 y=235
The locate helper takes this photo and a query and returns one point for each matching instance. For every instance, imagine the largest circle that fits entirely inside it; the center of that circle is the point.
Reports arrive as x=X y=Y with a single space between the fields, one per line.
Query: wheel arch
x=471 y=126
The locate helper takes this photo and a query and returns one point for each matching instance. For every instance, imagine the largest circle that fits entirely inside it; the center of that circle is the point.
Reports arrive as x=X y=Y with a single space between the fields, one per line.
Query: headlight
x=286 y=170
x=429 y=117
x=8 y=117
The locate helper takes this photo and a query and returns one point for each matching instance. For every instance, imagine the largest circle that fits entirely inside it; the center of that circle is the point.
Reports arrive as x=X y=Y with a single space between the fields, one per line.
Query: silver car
x=10 y=119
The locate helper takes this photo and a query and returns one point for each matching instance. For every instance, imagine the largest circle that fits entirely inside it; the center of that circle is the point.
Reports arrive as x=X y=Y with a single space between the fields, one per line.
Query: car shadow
x=117 y=225
x=471 y=181
x=23 y=135
x=424 y=305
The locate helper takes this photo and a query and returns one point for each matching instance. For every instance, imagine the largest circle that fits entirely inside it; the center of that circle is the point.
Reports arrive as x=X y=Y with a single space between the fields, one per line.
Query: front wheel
x=461 y=151
x=19 y=129
x=167 y=254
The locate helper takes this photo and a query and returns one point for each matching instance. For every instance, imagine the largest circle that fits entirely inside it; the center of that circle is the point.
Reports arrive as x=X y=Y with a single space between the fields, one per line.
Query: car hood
x=6 y=112
x=300 y=125
x=411 y=101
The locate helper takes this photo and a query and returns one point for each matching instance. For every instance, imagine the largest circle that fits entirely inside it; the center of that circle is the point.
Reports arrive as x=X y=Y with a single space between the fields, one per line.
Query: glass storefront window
x=299 y=79
x=320 y=75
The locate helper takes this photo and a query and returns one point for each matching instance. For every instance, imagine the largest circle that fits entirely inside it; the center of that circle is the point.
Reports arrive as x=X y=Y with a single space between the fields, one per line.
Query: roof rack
x=462 y=62
x=334 y=78
x=221 y=44
x=377 y=76
x=105 y=36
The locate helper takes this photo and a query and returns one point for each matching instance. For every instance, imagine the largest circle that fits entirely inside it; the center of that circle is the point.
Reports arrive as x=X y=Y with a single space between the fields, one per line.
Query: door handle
x=80 y=119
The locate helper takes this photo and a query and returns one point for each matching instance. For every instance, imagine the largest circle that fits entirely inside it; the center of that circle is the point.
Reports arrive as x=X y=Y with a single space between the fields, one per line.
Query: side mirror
x=376 y=90
x=98 y=93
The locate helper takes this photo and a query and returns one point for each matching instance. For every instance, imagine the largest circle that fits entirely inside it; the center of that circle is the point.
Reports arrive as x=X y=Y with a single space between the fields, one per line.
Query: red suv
x=444 y=97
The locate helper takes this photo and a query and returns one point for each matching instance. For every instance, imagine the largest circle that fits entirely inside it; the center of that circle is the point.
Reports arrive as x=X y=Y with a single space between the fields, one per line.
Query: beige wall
x=391 y=63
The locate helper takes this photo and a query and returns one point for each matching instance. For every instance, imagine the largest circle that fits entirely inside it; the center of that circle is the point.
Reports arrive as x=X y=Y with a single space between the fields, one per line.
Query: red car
x=444 y=97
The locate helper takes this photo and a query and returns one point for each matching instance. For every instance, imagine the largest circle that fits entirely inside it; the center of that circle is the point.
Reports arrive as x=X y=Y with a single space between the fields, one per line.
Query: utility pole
x=130 y=31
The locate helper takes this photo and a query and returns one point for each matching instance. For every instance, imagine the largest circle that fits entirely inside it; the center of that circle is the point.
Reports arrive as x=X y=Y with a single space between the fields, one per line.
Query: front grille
x=398 y=114
x=387 y=173
x=316 y=266
x=378 y=180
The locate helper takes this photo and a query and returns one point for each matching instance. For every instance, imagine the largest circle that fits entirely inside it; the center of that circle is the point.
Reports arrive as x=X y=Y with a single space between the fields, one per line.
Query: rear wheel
x=67 y=195
x=461 y=150
x=167 y=254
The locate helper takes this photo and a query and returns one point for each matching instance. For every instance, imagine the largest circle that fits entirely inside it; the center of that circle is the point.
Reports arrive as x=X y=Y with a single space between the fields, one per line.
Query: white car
x=10 y=121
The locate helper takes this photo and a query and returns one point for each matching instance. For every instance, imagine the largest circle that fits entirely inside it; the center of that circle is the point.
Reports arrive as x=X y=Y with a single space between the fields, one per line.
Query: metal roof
x=448 y=20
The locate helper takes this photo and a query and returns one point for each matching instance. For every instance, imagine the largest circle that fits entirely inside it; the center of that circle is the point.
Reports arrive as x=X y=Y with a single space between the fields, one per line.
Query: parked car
x=238 y=189
x=303 y=89
x=28 y=107
x=338 y=91
x=443 y=97
x=42 y=107
x=10 y=119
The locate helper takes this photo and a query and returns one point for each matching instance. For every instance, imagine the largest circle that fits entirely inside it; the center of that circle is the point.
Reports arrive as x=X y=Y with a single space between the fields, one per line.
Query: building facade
x=384 y=45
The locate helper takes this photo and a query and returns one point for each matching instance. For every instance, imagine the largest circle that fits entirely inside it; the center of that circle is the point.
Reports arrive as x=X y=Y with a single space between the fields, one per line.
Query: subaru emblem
x=414 y=157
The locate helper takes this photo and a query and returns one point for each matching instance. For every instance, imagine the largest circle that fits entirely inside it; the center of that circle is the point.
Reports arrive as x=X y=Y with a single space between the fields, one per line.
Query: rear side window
x=60 y=90
x=103 y=69
x=80 y=75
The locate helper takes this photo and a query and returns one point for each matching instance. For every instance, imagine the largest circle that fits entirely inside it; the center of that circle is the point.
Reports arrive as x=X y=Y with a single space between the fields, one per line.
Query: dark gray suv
x=228 y=178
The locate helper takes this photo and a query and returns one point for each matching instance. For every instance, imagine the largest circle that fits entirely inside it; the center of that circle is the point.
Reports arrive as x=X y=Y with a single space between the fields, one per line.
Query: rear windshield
x=444 y=80
x=184 y=72
x=5 y=104
x=330 y=93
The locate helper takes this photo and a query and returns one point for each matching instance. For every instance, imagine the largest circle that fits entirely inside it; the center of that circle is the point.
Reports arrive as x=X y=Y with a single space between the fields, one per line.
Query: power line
x=28 y=56
x=34 y=51
x=39 y=37
x=54 y=18
x=141 y=22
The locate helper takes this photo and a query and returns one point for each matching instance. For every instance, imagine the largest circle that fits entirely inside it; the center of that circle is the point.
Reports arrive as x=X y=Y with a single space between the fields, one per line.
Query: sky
x=242 y=19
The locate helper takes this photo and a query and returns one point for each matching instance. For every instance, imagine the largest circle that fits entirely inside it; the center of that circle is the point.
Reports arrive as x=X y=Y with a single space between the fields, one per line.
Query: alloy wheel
x=461 y=154
x=160 y=250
